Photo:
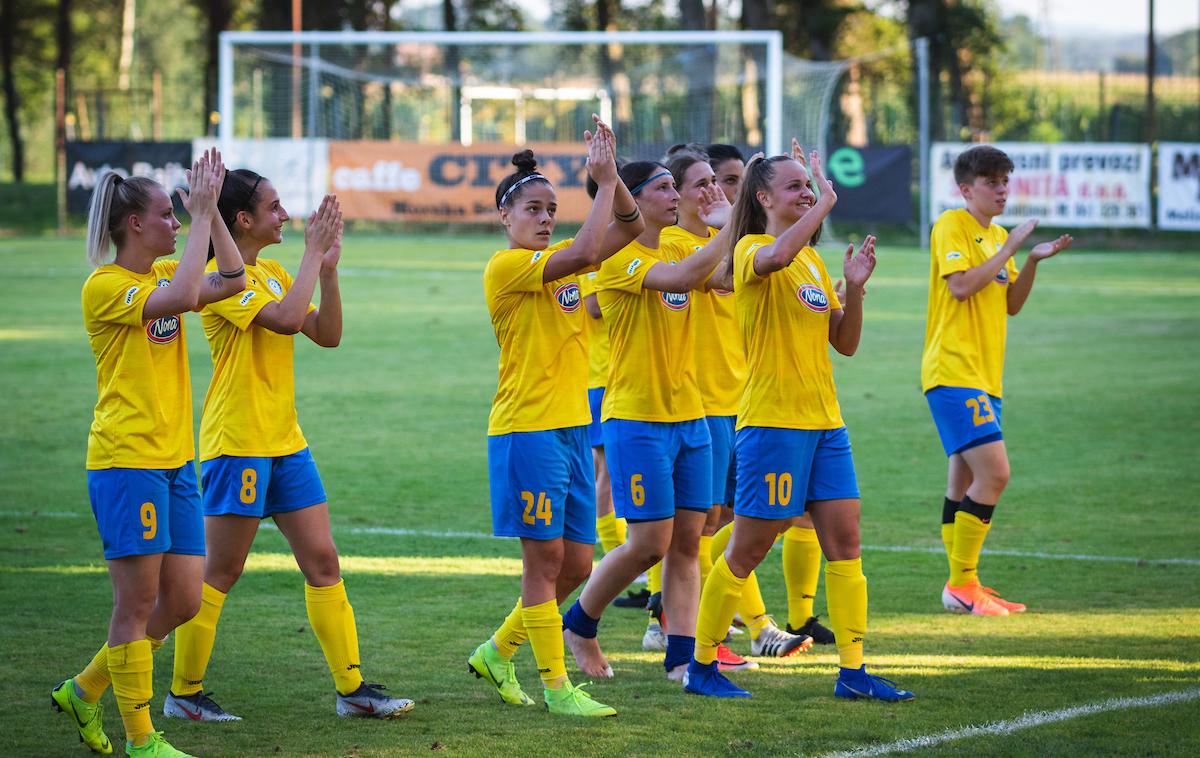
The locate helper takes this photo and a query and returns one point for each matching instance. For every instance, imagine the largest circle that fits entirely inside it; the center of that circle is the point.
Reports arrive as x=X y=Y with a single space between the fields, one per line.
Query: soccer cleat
x=198 y=707
x=813 y=628
x=654 y=640
x=573 y=701
x=970 y=598
x=705 y=679
x=633 y=599
x=773 y=642
x=727 y=660
x=1008 y=605
x=654 y=607
x=89 y=718
x=368 y=702
x=853 y=684
x=487 y=664
x=155 y=747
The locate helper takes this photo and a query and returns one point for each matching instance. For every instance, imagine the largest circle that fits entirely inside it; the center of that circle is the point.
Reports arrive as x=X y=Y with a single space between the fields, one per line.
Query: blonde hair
x=114 y=199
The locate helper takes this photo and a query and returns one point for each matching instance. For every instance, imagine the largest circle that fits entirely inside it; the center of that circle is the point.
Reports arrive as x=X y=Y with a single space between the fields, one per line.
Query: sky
x=1067 y=17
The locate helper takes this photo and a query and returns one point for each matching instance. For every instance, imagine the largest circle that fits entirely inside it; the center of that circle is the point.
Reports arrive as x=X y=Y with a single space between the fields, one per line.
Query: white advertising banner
x=1069 y=184
x=299 y=169
x=1179 y=186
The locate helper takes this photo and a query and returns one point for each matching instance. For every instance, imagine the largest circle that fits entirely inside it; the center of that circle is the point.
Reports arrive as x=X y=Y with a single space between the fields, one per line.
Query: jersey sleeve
x=241 y=309
x=625 y=271
x=949 y=245
x=743 y=261
x=519 y=270
x=111 y=297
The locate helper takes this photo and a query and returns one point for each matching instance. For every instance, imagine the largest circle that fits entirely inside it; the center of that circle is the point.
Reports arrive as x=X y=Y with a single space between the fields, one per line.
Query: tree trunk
x=453 y=70
x=927 y=18
x=701 y=65
x=612 y=68
x=220 y=13
x=756 y=14
x=7 y=31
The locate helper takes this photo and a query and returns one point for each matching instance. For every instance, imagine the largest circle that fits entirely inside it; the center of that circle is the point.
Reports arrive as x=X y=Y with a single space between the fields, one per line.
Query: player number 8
x=249 y=479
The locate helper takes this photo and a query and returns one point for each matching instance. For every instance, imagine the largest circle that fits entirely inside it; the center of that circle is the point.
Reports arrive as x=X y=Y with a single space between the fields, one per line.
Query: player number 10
x=541 y=504
x=779 y=488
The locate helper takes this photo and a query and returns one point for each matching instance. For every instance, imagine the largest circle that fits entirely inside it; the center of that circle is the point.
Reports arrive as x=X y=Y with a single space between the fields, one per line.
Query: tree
x=8 y=30
x=219 y=13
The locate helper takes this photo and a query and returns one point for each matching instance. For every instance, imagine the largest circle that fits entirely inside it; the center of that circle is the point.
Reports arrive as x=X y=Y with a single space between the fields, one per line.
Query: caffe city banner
x=1066 y=184
x=407 y=181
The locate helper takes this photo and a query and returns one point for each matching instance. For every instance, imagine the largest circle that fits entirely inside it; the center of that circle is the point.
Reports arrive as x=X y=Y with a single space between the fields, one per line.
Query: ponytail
x=114 y=200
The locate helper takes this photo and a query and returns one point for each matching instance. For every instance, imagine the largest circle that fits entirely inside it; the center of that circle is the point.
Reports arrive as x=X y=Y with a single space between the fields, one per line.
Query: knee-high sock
x=511 y=634
x=654 y=578
x=132 y=669
x=544 y=626
x=751 y=607
x=706 y=559
x=611 y=531
x=969 y=534
x=949 y=509
x=718 y=603
x=801 y=570
x=332 y=621
x=846 y=594
x=194 y=643
x=91 y=683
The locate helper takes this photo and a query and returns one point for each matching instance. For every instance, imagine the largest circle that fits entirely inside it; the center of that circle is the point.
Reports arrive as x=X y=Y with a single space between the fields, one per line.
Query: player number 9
x=149 y=520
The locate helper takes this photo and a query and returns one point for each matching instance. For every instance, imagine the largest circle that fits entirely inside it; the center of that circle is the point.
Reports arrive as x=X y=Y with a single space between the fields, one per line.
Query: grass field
x=1102 y=415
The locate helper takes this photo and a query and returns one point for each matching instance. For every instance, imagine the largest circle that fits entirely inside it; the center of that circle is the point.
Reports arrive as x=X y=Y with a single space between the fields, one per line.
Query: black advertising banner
x=872 y=183
x=164 y=162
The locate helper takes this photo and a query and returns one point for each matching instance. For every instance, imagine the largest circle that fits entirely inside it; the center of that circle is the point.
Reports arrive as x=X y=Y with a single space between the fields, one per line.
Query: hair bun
x=525 y=162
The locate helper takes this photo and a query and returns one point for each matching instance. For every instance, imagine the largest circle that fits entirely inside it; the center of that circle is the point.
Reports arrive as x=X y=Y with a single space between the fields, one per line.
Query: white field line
x=437 y=534
x=1027 y=721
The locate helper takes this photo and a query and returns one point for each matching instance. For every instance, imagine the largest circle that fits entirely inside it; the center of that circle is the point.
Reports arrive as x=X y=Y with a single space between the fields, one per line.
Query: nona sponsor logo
x=567 y=296
x=813 y=297
x=676 y=301
x=163 y=330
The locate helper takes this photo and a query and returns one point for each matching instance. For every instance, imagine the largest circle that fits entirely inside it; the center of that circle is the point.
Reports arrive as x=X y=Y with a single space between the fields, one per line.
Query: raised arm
x=845 y=325
x=698 y=269
x=1018 y=291
x=780 y=253
x=230 y=276
x=287 y=316
x=324 y=325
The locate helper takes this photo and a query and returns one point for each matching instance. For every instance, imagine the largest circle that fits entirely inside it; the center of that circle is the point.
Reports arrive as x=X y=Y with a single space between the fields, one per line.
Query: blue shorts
x=780 y=471
x=965 y=417
x=260 y=487
x=543 y=485
x=724 y=472
x=147 y=511
x=595 y=402
x=657 y=467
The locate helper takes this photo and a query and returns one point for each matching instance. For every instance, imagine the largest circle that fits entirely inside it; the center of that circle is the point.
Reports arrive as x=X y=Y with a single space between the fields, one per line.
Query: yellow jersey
x=143 y=415
x=720 y=359
x=597 y=336
x=652 y=372
x=250 y=408
x=964 y=341
x=784 y=317
x=543 y=351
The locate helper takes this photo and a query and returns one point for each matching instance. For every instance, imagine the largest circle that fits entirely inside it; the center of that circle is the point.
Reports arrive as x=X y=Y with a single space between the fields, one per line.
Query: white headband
x=518 y=183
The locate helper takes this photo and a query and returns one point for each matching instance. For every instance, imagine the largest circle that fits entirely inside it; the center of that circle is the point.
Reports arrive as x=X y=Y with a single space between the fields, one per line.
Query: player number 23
x=979 y=406
x=535 y=509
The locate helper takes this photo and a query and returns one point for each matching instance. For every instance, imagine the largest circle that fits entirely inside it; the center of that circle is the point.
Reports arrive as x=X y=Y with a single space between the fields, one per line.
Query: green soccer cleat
x=487 y=663
x=155 y=747
x=573 y=701
x=89 y=718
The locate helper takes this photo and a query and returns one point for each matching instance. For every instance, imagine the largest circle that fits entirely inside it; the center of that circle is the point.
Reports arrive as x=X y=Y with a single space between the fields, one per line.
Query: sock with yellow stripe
x=611 y=531
x=718 y=603
x=706 y=559
x=91 y=683
x=654 y=578
x=132 y=669
x=801 y=571
x=971 y=525
x=544 y=626
x=511 y=634
x=846 y=594
x=194 y=643
x=751 y=607
x=949 y=508
x=332 y=621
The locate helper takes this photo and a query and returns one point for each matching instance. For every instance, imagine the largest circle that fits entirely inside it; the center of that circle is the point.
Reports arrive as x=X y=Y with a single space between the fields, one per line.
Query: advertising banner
x=164 y=162
x=297 y=168
x=408 y=181
x=1065 y=184
x=872 y=183
x=1179 y=186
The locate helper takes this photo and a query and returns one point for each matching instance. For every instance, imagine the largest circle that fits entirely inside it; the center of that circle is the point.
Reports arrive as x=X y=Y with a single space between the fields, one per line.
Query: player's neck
x=249 y=251
x=136 y=260
x=980 y=217
x=692 y=223
x=650 y=237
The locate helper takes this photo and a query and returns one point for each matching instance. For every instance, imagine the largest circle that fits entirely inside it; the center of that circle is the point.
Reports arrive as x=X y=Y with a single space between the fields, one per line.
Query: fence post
x=922 y=45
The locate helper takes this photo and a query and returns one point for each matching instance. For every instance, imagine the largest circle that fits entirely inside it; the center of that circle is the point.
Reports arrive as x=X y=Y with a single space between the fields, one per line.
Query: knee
x=134 y=606
x=573 y=574
x=223 y=577
x=995 y=479
x=742 y=559
x=321 y=568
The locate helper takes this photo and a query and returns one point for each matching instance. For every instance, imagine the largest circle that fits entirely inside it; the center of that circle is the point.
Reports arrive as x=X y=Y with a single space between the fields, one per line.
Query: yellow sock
x=611 y=531
x=706 y=559
x=511 y=634
x=544 y=626
x=720 y=541
x=846 y=594
x=752 y=607
x=194 y=643
x=132 y=669
x=718 y=602
x=948 y=543
x=332 y=621
x=801 y=570
x=654 y=578
x=969 y=534
x=155 y=645
x=94 y=679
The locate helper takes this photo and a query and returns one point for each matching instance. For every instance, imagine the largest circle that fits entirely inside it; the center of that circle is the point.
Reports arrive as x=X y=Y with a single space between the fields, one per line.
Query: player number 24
x=978 y=404
x=541 y=504
x=779 y=488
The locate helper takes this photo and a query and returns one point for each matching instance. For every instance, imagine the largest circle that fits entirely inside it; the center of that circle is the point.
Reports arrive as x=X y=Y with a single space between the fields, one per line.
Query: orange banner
x=408 y=181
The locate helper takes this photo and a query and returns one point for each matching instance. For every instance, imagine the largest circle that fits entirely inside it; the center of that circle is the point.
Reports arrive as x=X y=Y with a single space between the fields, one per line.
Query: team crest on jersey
x=676 y=301
x=1002 y=276
x=813 y=297
x=567 y=296
x=163 y=282
x=162 y=330
x=274 y=285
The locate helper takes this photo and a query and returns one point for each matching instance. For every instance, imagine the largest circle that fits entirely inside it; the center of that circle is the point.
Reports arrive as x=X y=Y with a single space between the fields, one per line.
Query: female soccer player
x=728 y=166
x=655 y=438
x=793 y=452
x=540 y=472
x=254 y=460
x=973 y=287
x=140 y=462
